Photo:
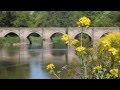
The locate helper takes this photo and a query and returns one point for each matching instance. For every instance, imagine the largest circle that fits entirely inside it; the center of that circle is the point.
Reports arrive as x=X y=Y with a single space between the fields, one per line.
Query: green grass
x=9 y=40
x=35 y=39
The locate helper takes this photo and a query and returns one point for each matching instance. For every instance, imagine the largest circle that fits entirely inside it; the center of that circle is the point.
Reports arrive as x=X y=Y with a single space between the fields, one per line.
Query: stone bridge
x=47 y=32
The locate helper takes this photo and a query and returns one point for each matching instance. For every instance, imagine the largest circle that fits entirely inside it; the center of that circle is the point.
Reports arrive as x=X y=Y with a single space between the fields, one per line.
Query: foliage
x=86 y=40
x=9 y=40
x=51 y=67
x=14 y=18
x=107 y=19
x=21 y=19
x=100 y=62
x=108 y=54
x=37 y=18
x=35 y=39
x=57 y=18
x=56 y=38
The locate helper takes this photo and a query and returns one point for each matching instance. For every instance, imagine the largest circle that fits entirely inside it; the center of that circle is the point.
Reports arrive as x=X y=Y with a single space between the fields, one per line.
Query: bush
x=9 y=40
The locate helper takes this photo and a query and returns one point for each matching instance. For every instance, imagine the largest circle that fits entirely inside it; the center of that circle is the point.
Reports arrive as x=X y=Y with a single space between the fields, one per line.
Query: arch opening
x=86 y=39
x=56 y=36
x=56 y=41
x=105 y=34
x=11 y=34
x=35 y=38
x=11 y=38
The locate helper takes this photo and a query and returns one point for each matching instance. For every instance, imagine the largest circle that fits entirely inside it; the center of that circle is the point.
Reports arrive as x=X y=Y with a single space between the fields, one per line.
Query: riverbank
x=6 y=41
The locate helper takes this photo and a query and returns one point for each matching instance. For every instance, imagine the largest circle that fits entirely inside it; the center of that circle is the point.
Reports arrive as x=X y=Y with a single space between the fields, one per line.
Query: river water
x=30 y=61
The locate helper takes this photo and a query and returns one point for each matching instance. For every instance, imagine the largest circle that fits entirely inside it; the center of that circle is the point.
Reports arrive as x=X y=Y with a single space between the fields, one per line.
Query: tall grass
x=9 y=40
x=35 y=39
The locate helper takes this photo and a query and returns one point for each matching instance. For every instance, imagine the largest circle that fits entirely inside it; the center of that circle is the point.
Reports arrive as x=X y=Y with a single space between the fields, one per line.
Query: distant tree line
x=57 y=18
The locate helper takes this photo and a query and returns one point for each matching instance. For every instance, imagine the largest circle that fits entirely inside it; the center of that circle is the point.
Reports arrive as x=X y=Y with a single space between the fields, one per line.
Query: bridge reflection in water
x=30 y=61
x=24 y=53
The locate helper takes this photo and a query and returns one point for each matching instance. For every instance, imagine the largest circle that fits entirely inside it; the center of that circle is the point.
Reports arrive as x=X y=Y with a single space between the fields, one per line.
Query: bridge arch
x=51 y=35
x=57 y=42
x=105 y=34
x=56 y=34
x=87 y=40
x=11 y=34
x=33 y=34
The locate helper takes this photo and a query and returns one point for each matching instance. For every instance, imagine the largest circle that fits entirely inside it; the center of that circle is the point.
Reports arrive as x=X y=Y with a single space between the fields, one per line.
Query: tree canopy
x=57 y=18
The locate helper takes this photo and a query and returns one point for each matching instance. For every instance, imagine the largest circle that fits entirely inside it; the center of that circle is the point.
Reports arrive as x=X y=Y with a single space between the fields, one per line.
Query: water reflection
x=12 y=70
x=29 y=62
x=58 y=49
x=35 y=46
x=36 y=71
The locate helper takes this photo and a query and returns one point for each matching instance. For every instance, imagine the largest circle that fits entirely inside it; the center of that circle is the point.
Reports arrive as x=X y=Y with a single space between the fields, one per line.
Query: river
x=30 y=61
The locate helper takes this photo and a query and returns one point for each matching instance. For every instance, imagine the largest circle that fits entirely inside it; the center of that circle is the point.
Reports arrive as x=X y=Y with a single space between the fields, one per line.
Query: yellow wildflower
x=97 y=68
x=79 y=24
x=80 y=49
x=105 y=43
x=114 y=72
x=84 y=21
x=119 y=61
x=113 y=51
x=50 y=66
x=74 y=42
x=65 y=37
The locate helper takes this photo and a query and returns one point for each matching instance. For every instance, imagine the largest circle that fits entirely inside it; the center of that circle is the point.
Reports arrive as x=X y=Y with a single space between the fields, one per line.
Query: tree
x=21 y=19
x=57 y=18
x=6 y=18
x=36 y=18
x=107 y=18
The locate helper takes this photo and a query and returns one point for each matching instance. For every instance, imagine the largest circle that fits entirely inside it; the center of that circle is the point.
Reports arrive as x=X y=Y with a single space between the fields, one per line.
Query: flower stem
x=85 y=70
x=56 y=76
x=81 y=36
